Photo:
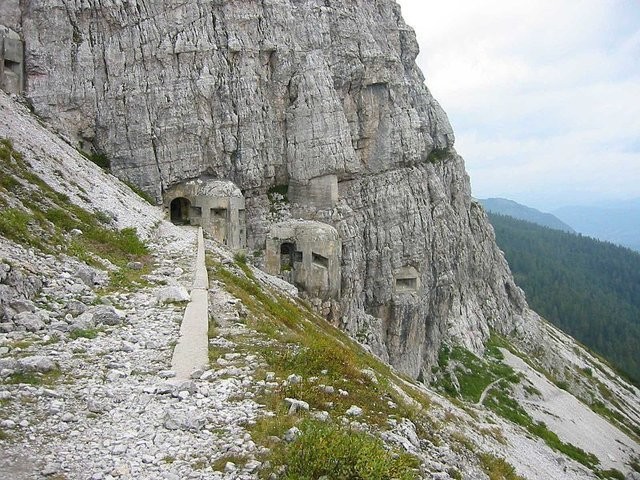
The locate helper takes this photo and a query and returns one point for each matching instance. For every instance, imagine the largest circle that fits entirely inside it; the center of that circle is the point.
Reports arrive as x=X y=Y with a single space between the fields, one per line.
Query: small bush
x=438 y=155
x=498 y=468
x=14 y=225
x=612 y=473
x=327 y=450
x=100 y=159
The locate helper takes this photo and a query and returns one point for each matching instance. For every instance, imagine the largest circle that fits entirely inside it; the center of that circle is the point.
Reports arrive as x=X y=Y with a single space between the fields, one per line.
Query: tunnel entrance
x=180 y=211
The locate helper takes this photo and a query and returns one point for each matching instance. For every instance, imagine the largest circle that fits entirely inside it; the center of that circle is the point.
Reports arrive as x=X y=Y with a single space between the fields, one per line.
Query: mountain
x=614 y=222
x=323 y=102
x=503 y=206
x=360 y=315
x=589 y=288
x=93 y=281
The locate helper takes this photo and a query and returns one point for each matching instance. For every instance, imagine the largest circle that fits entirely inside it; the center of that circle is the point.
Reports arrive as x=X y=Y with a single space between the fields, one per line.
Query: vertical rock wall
x=275 y=92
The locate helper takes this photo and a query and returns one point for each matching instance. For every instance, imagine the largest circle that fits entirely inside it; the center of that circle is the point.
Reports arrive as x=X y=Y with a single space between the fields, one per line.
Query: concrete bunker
x=11 y=61
x=406 y=280
x=307 y=254
x=217 y=205
x=320 y=192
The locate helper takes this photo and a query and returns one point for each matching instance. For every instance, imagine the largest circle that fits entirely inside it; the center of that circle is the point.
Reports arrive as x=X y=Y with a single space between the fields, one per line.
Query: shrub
x=438 y=155
x=100 y=159
x=14 y=224
x=325 y=449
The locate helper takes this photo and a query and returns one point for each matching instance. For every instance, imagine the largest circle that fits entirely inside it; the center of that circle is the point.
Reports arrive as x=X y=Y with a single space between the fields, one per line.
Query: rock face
x=322 y=96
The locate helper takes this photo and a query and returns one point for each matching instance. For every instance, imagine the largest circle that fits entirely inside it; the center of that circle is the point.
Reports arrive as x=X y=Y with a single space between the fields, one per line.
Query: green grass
x=219 y=464
x=474 y=374
x=35 y=378
x=90 y=333
x=328 y=450
x=100 y=159
x=14 y=225
x=500 y=402
x=292 y=339
x=47 y=217
x=438 y=155
x=498 y=468
x=612 y=473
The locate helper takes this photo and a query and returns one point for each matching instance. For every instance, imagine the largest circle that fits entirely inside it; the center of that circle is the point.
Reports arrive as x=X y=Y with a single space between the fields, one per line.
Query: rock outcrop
x=322 y=96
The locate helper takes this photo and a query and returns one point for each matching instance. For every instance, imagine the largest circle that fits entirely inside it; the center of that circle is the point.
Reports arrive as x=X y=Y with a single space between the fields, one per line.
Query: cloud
x=542 y=95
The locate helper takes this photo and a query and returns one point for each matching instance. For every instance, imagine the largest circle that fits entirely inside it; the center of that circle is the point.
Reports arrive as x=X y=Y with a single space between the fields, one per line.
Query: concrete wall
x=315 y=268
x=220 y=211
x=320 y=192
x=406 y=280
x=11 y=62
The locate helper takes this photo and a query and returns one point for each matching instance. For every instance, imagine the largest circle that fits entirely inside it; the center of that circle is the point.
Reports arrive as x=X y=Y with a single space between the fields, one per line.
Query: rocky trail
x=116 y=409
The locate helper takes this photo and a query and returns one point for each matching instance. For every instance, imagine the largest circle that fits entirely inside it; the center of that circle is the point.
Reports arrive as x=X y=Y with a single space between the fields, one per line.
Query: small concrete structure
x=307 y=254
x=216 y=205
x=11 y=61
x=320 y=192
x=406 y=280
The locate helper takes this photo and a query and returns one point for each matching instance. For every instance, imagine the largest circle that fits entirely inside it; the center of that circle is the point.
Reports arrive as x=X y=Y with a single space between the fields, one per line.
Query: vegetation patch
x=498 y=468
x=324 y=449
x=35 y=378
x=100 y=159
x=141 y=193
x=473 y=374
x=438 y=155
x=89 y=333
x=48 y=221
x=335 y=372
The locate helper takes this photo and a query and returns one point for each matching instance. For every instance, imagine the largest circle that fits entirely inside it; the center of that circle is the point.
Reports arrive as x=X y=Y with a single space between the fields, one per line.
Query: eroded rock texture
x=309 y=93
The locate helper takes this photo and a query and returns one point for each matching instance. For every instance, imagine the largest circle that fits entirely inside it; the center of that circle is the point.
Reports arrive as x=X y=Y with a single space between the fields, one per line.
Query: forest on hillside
x=588 y=288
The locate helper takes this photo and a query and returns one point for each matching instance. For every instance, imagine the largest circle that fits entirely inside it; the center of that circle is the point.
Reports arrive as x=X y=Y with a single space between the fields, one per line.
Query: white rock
x=354 y=411
x=291 y=434
x=173 y=294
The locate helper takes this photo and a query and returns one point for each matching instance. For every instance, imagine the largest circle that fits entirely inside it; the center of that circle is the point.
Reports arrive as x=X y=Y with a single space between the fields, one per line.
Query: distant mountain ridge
x=504 y=206
x=614 y=222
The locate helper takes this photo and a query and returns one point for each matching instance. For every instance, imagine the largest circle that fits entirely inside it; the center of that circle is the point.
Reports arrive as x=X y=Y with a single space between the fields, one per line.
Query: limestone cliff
x=304 y=93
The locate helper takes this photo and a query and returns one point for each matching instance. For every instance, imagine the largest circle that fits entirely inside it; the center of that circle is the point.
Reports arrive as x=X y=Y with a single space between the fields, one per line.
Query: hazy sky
x=543 y=95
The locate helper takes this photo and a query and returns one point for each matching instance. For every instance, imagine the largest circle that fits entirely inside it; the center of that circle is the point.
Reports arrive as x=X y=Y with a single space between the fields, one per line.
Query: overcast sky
x=543 y=95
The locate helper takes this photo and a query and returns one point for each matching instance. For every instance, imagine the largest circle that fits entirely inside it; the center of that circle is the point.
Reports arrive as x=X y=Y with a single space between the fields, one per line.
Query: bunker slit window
x=406 y=284
x=242 y=221
x=195 y=211
x=219 y=213
x=319 y=260
x=297 y=256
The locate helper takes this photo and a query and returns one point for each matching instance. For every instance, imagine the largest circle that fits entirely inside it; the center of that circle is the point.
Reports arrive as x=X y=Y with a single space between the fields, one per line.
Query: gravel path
x=114 y=413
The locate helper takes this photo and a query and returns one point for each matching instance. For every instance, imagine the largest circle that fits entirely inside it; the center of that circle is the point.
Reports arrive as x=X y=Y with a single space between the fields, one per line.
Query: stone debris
x=113 y=413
